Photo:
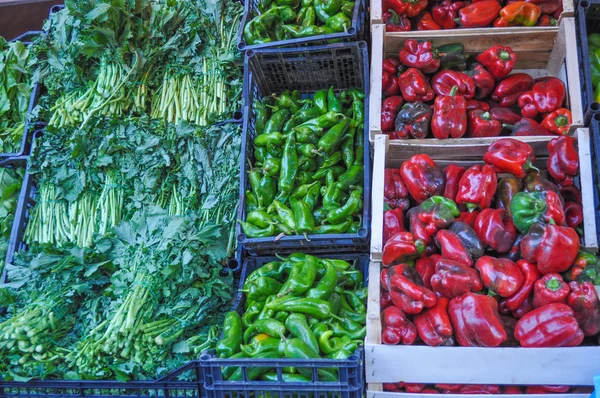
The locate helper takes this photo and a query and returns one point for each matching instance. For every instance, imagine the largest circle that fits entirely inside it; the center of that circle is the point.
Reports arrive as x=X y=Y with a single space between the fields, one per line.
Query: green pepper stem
x=504 y=55
x=553 y=284
x=561 y=121
x=453 y=91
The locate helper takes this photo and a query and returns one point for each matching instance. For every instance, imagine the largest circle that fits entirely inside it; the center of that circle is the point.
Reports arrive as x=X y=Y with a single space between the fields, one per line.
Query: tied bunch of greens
x=308 y=172
x=173 y=60
x=10 y=184
x=15 y=92
x=301 y=307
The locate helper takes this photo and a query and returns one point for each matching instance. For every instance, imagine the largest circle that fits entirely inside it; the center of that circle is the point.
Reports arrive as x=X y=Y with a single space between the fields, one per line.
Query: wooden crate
x=391 y=153
x=376 y=11
x=539 y=53
x=575 y=366
x=381 y=394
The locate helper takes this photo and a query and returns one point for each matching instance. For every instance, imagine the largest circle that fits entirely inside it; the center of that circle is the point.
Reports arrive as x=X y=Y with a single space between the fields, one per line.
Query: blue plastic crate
x=356 y=32
x=595 y=151
x=306 y=69
x=587 y=20
x=351 y=370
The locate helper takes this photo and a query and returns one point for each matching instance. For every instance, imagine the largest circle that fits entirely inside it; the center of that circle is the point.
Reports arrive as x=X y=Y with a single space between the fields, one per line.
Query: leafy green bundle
x=10 y=184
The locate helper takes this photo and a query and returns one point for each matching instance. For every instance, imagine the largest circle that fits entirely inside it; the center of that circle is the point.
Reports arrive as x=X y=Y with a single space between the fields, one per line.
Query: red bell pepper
x=553 y=325
x=546 y=6
x=528 y=127
x=389 y=85
x=389 y=111
x=512 y=390
x=446 y=12
x=544 y=390
x=573 y=215
x=551 y=288
x=395 y=194
x=583 y=300
x=514 y=302
x=558 y=122
x=413 y=121
x=396 y=327
x=425 y=266
x=546 y=20
x=545 y=97
x=394 y=22
x=414 y=86
x=423 y=178
x=477 y=187
x=484 y=389
x=407 y=290
x=480 y=14
x=474 y=105
x=563 y=159
x=509 y=90
x=500 y=275
x=481 y=124
x=393 y=223
x=586 y=268
x=453 y=174
x=420 y=55
x=571 y=194
x=468 y=217
x=495 y=230
x=558 y=13
x=425 y=22
x=519 y=13
x=498 y=60
x=505 y=115
x=414 y=387
x=510 y=156
x=524 y=309
x=453 y=279
x=476 y=321
x=433 y=325
x=410 y=8
x=385 y=299
x=433 y=214
x=453 y=248
x=484 y=81
x=400 y=248
x=553 y=248
x=444 y=81
x=449 y=116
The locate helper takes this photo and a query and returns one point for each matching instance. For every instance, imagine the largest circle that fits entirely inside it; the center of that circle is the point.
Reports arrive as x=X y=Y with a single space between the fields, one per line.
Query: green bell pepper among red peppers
x=528 y=208
x=585 y=268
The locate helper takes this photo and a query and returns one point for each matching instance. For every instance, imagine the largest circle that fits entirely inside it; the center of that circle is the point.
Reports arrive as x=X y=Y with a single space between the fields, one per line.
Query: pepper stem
x=504 y=55
x=453 y=91
x=394 y=19
x=529 y=166
x=561 y=121
x=485 y=116
x=553 y=284
x=471 y=207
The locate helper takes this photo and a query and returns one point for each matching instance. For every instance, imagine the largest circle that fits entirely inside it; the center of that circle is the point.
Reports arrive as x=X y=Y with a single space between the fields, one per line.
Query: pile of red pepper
x=406 y=15
x=436 y=90
x=487 y=256
x=485 y=389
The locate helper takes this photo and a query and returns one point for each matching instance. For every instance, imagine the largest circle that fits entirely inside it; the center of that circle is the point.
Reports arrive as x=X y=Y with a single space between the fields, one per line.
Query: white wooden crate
x=575 y=366
x=391 y=153
x=380 y=394
x=539 y=53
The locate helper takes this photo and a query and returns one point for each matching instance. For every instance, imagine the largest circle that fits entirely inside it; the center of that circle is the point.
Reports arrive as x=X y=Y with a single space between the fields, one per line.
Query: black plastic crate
x=27 y=37
x=351 y=370
x=587 y=20
x=595 y=151
x=306 y=69
x=358 y=31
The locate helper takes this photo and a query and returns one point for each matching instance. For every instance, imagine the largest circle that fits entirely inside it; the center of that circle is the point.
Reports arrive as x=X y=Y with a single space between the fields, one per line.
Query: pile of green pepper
x=307 y=176
x=289 y=19
x=302 y=307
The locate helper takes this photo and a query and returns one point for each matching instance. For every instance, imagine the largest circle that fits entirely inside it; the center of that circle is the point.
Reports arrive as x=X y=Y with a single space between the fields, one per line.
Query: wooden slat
x=373 y=316
x=375 y=8
x=379 y=165
x=572 y=68
x=377 y=45
x=377 y=394
x=590 y=235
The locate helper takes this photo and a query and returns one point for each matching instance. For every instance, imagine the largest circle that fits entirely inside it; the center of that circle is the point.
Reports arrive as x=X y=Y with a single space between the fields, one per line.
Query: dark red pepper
x=385 y=299
x=484 y=389
x=505 y=115
x=414 y=86
x=524 y=309
x=420 y=55
x=473 y=105
x=425 y=266
x=477 y=187
x=433 y=214
x=498 y=60
x=413 y=120
x=393 y=223
x=500 y=275
x=545 y=97
x=553 y=325
x=389 y=111
x=453 y=279
x=583 y=300
x=495 y=230
x=453 y=248
x=481 y=124
x=515 y=251
x=396 y=327
x=407 y=290
x=551 y=288
x=480 y=14
x=484 y=81
x=573 y=215
x=571 y=194
x=510 y=156
x=395 y=194
x=444 y=81
x=468 y=217
x=389 y=85
x=433 y=325
x=422 y=177
x=563 y=159
x=547 y=389
x=446 y=12
x=425 y=22
x=476 y=321
x=394 y=22
x=531 y=275
x=400 y=248
x=509 y=90
x=527 y=127
x=558 y=122
x=512 y=390
x=553 y=248
x=449 y=116
x=453 y=174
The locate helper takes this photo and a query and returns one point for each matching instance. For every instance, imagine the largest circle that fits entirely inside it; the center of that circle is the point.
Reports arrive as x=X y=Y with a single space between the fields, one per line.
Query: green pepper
x=305 y=223
x=336 y=303
x=339 y=22
x=285 y=99
x=301 y=278
x=594 y=41
x=296 y=324
x=271 y=167
x=252 y=231
x=273 y=269
x=260 y=218
x=289 y=164
x=290 y=124
x=252 y=311
x=340 y=228
x=334 y=104
x=307 y=164
x=306 y=135
x=312 y=196
x=266 y=313
x=293 y=3
x=312 y=307
x=329 y=344
x=340 y=331
x=254 y=176
x=284 y=213
x=331 y=6
x=344 y=353
x=232 y=336
x=326 y=285
x=274 y=151
x=324 y=121
x=268 y=344
x=353 y=176
x=267 y=191
x=322 y=16
x=356 y=317
x=347 y=148
x=303 y=189
x=348 y=8
x=358 y=112
x=260 y=154
x=285 y=377
x=359 y=151
x=595 y=66
x=254 y=372
x=355 y=226
x=277 y=120
x=308 y=113
x=261 y=288
x=319 y=215
x=251 y=201
x=332 y=138
x=320 y=101
x=310 y=17
x=355 y=302
x=331 y=194
x=349 y=325
x=303 y=31
x=272 y=327
x=452 y=57
x=297 y=349
x=528 y=208
x=275 y=138
x=319 y=328
x=322 y=173
x=308 y=150
x=229 y=370
x=261 y=115
x=353 y=205
x=281 y=316
x=331 y=160
x=305 y=177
